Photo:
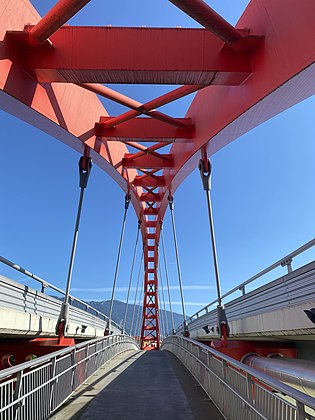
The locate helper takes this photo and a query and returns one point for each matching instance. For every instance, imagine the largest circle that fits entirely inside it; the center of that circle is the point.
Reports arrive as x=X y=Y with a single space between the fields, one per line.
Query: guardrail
x=283 y=262
x=238 y=391
x=292 y=289
x=35 y=389
x=73 y=301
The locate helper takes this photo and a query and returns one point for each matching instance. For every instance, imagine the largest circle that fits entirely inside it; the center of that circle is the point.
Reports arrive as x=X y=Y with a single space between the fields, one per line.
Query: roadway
x=140 y=385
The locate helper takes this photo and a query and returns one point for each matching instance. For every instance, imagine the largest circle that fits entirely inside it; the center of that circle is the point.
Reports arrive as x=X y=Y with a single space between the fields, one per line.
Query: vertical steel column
x=108 y=325
x=85 y=166
x=171 y=206
x=205 y=173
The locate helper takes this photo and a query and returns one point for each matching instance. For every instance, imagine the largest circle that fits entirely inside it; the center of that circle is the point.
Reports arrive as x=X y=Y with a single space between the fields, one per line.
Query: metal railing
x=35 y=389
x=285 y=261
x=46 y=285
x=239 y=392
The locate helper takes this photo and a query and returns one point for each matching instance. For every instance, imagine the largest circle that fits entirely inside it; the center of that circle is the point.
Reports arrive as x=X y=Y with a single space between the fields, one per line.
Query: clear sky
x=263 y=191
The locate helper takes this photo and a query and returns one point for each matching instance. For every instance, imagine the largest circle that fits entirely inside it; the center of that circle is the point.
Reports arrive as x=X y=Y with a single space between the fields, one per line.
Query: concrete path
x=149 y=385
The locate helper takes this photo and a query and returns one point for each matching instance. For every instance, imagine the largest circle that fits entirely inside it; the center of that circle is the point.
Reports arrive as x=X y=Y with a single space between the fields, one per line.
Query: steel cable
x=136 y=295
x=171 y=202
x=108 y=325
x=131 y=275
x=167 y=281
x=166 y=319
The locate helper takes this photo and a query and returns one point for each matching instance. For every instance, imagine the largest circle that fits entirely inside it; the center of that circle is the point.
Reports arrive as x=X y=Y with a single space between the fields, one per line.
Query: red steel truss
x=51 y=77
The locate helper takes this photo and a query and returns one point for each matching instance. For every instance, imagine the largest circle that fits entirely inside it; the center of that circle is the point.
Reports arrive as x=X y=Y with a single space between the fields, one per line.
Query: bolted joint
x=62 y=323
x=205 y=173
x=287 y=261
x=171 y=201
x=85 y=166
x=107 y=328
x=186 y=330
x=127 y=200
x=222 y=320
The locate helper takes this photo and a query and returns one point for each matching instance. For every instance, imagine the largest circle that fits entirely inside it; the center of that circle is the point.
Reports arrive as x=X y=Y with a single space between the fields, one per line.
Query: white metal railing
x=35 y=389
x=73 y=301
x=285 y=261
x=238 y=391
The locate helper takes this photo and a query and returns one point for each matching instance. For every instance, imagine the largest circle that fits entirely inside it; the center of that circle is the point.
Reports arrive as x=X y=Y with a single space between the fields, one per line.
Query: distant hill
x=119 y=312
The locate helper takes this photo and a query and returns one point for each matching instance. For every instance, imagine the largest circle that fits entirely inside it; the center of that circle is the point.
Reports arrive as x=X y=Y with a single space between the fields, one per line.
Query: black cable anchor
x=205 y=173
x=85 y=166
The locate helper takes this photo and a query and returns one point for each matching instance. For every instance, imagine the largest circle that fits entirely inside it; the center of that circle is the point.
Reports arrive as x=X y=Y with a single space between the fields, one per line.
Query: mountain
x=133 y=312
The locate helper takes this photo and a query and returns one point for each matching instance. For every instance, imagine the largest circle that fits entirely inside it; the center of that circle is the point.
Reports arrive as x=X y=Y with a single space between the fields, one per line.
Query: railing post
x=249 y=388
x=16 y=394
x=86 y=361
x=52 y=376
x=44 y=286
x=300 y=411
x=74 y=365
x=287 y=262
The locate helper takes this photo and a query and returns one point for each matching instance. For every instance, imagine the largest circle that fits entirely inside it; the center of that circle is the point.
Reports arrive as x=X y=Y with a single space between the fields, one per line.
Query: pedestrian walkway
x=140 y=385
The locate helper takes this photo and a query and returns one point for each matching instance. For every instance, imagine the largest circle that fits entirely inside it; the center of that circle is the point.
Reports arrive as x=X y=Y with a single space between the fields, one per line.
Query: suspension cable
x=140 y=309
x=108 y=324
x=136 y=294
x=166 y=319
x=85 y=166
x=131 y=275
x=161 y=317
x=167 y=278
x=171 y=206
x=205 y=173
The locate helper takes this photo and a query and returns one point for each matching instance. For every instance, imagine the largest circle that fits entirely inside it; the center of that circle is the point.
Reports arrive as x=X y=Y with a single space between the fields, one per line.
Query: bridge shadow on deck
x=144 y=385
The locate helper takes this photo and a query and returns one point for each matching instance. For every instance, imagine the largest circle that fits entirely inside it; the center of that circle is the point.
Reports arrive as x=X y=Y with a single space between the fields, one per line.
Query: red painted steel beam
x=149 y=107
x=207 y=17
x=163 y=161
x=136 y=55
x=112 y=94
x=144 y=128
x=53 y=20
x=131 y=103
x=151 y=197
x=149 y=181
x=176 y=122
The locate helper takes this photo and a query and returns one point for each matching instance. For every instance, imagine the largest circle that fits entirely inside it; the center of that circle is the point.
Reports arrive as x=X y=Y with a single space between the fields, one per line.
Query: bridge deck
x=140 y=385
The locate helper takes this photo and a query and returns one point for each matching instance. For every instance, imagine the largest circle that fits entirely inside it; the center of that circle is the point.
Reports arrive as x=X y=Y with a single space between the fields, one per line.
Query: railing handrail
x=262 y=377
x=241 y=286
x=46 y=358
x=46 y=285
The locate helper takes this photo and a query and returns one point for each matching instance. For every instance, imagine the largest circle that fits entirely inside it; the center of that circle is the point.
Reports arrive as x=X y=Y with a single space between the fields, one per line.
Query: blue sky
x=263 y=192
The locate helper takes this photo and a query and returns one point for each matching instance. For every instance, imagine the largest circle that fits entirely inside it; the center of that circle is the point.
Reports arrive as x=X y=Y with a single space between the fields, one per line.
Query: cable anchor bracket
x=223 y=325
x=127 y=200
x=205 y=173
x=170 y=199
x=85 y=166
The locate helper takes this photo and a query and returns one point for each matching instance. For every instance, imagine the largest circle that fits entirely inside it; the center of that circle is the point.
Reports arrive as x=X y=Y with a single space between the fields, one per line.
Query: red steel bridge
x=51 y=78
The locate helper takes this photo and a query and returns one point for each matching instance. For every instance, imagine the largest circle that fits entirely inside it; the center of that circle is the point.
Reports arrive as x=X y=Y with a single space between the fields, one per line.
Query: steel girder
x=243 y=81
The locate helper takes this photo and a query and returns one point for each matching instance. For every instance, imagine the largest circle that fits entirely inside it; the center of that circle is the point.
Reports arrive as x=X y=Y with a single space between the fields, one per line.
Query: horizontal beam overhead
x=148 y=162
x=144 y=129
x=135 y=55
